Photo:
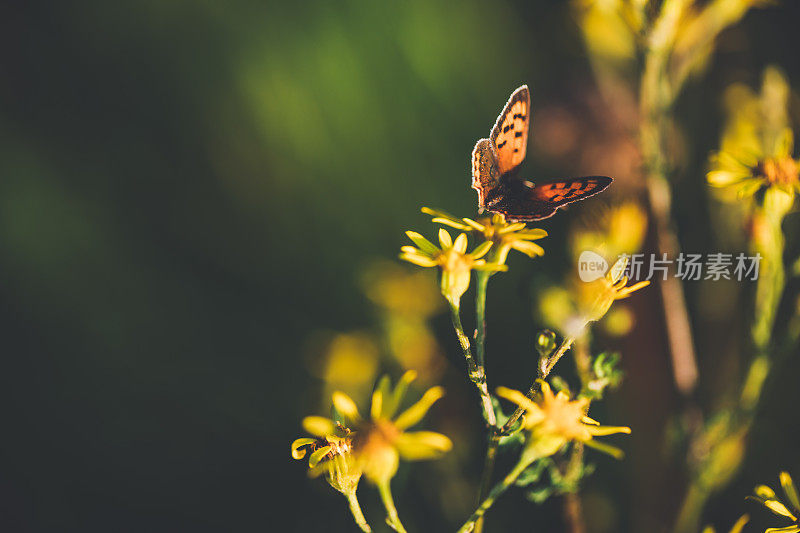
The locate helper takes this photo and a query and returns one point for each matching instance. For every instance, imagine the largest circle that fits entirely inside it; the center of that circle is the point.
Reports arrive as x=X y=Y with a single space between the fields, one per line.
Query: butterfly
x=495 y=161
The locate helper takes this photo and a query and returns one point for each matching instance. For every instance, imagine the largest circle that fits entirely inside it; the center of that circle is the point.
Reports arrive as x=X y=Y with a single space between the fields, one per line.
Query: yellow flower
x=382 y=440
x=331 y=453
x=504 y=235
x=376 y=443
x=597 y=296
x=555 y=420
x=766 y=496
x=456 y=264
x=756 y=148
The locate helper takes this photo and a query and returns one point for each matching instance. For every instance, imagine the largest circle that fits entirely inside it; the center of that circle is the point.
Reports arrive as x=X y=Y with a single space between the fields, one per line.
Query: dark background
x=187 y=192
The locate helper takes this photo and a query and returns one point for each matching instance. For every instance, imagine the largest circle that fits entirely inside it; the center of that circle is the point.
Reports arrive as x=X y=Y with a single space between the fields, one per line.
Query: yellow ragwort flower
x=378 y=442
x=332 y=456
x=331 y=453
x=555 y=420
x=756 y=148
x=597 y=296
x=456 y=264
x=766 y=497
x=504 y=235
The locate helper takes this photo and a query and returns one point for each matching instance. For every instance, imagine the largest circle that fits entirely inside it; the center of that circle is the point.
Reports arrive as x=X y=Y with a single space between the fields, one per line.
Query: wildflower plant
x=548 y=429
x=543 y=422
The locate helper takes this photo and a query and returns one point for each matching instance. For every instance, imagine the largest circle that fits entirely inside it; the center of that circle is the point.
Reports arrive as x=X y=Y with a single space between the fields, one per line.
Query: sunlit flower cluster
x=495 y=229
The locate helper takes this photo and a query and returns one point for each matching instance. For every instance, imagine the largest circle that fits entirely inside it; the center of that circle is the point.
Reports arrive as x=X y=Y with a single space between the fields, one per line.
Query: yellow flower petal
x=739 y=525
x=445 y=240
x=481 y=250
x=787 y=529
x=418 y=260
x=518 y=398
x=346 y=406
x=452 y=223
x=399 y=392
x=778 y=508
x=421 y=445
x=416 y=412
x=528 y=248
x=764 y=492
x=299 y=445
x=440 y=214
x=477 y=226
x=460 y=245
x=317 y=456
x=613 y=451
x=790 y=490
x=424 y=244
x=410 y=250
x=376 y=406
x=531 y=234
x=724 y=178
x=599 y=431
x=511 y=228
x=319 y=426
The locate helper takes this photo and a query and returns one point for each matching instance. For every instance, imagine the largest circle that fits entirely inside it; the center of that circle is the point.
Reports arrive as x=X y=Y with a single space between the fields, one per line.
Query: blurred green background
x=188 y=192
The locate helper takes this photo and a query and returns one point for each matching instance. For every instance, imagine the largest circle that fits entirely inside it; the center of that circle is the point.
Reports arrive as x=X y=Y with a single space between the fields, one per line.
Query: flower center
x=778 y=171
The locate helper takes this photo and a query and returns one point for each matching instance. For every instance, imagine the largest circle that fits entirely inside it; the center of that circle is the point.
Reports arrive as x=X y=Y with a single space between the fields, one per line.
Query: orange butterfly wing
x=570 y=190
x=510 y=133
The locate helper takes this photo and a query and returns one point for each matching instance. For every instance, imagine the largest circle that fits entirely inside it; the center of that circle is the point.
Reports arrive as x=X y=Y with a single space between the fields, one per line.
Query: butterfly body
x=494 y=167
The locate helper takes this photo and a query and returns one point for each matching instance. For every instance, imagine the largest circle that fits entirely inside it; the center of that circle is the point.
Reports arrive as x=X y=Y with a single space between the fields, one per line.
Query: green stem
x=388 y=502
x=480 y=352
x=480 y=316
x=545 y=367
x=355 y=508
x=486 y=476
x=476 y=373
x=495 y=493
